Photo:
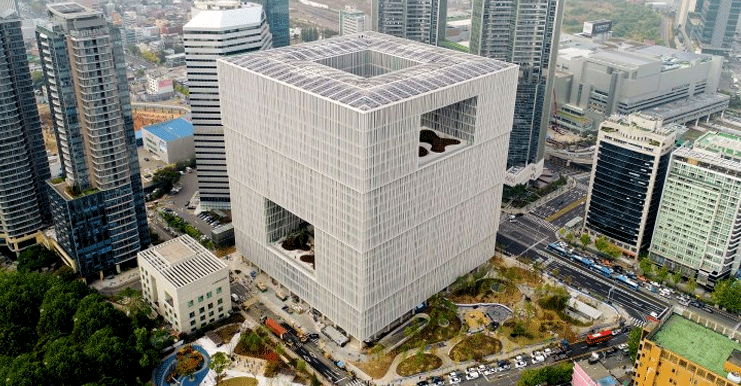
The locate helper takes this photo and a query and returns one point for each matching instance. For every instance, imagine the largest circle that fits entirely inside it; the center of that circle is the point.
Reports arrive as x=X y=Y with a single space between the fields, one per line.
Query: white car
x=490 y=371
x=482 y=368
x=520 y=364
x=622 y=346
x=472 y=370
x=453 y=375
x=472 y=375
x=547 y=352
x=454 y=380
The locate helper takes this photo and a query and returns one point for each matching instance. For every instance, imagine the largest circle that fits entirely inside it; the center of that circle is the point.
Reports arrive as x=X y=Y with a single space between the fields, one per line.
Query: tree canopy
x=549 y=375
x=60 y=332
x=727 y=294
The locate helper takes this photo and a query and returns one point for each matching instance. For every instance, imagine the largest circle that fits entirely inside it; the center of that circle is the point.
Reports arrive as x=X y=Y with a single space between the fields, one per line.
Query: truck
x=275 y=327
x=281 y=295
x=333 y=334
x=261 y=286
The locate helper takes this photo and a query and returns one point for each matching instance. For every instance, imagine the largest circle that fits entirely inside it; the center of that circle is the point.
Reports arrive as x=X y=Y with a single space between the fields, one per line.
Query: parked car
x=437 y=381
x=707 y=309
x=491 y=371
x=520 y=364
x=454 y=380
x=548 y=352
x=422 y=383
x=472 y=375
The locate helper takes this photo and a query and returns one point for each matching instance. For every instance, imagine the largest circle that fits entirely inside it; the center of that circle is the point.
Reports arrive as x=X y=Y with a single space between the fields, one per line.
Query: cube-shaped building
x=366 y=170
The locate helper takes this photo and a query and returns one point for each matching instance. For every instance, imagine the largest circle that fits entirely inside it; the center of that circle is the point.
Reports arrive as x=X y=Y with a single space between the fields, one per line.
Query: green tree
x=585 y=239
x=601 y=243
x=691 y=285
x=328 y=33
x=570 y=238
x=634 y=340
x=300 y=365
x=676 y=278
x=66 y=363
x=219 y=363
x=94 y=314
x=25 y=370
x=133 y=49
x=549 y=375
x=315 y=381
x=727 y=294
x=165 y=178
x=646 y=266
x=662 y=274
x=37 y=77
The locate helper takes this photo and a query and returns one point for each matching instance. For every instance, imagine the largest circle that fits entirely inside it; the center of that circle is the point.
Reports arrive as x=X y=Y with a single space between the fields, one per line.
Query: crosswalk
x=542 y=222
x=354 y=382
x=636 y=322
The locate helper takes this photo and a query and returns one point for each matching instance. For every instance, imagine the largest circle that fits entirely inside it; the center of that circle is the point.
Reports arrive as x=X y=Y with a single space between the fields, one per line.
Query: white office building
x=218 y=29
x=352 y=20
x=381 y=157
x=698 y=225
x=185 y=283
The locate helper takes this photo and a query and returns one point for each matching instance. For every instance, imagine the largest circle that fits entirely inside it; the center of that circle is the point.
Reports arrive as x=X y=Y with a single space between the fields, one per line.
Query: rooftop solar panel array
x=299 y=66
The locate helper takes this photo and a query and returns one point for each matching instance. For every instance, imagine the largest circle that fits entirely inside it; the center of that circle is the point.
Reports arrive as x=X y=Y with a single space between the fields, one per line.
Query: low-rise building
x=592 y=374
x=171 y=141
x=185 y=283
x=681 y=351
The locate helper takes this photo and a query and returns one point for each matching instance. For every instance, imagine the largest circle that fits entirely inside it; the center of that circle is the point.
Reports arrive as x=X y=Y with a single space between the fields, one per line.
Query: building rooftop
x=171 y=130
x=367 y=70
x=598 y=373
x=699 y=344
x=70 y=9
x=719 y=142
x=182 y=260
x=217 y=20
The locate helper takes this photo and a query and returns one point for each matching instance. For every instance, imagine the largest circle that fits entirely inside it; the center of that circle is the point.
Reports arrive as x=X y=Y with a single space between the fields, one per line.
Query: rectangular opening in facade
x=368 y=63
x=447 y=129
x=290 y=235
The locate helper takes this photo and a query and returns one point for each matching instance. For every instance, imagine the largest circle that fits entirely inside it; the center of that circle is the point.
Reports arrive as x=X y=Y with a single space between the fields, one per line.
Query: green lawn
x=696 y=343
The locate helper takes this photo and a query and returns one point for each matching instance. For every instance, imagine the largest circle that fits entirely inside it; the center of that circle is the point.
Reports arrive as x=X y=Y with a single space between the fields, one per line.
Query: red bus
x=599 y=337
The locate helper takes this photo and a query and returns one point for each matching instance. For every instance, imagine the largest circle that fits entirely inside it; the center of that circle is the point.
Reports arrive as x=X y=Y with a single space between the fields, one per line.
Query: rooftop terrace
x=699 y=344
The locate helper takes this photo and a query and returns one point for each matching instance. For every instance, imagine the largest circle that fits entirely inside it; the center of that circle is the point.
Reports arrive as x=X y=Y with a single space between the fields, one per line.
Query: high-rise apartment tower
x=627 y=178
x=698 y=225
x=217 y=29
x=419 y=20
x=352 y=20
x=24 y=204
x=97 y=205
x=524 y=32
x=366 y=170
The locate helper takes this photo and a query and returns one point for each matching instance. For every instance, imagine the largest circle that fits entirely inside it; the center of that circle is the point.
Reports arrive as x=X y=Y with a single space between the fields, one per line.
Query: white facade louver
x=391 y=152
